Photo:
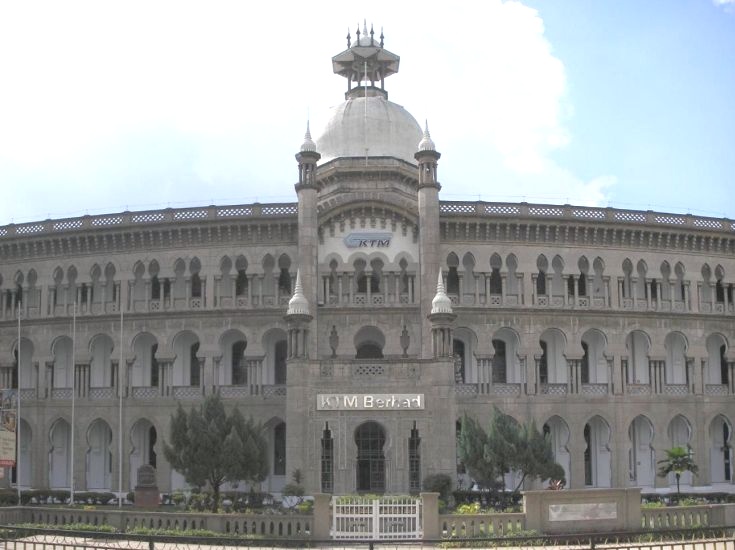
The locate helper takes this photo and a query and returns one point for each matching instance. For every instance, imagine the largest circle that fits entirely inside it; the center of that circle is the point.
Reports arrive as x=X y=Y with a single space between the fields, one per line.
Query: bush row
x=9 y=497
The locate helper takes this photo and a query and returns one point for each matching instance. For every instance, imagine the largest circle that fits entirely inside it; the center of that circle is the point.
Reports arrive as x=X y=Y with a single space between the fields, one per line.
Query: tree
x=678 y=461
x=506 y=446
x=209 y=447
x=472 y=443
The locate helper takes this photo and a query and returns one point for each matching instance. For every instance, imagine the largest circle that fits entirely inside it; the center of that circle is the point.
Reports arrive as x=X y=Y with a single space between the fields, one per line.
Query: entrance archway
x=370 y=440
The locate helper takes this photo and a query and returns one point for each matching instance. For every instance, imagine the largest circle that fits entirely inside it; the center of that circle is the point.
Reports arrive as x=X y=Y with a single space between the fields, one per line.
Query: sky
x=110 y=106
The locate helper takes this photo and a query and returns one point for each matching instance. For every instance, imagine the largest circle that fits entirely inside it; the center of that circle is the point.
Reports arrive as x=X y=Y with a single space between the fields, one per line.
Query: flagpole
x=73 y=397
x=120 y=416
x=17 y=422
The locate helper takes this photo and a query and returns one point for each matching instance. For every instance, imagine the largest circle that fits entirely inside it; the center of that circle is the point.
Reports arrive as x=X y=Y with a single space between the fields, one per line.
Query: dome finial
x=357 y=33
x=298 y=304
x=372 y=42
x=349 y=38
x=381 y=37
x=308 y=145
x=441 y=302
x=426 y=143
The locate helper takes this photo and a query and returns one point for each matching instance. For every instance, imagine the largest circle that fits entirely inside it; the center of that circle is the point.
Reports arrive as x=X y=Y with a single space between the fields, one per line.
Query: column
x=44 y=312
x=523 y=298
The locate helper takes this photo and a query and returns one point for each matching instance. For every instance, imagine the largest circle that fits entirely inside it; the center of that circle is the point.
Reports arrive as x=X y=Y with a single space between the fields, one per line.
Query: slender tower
x=429 y=261
x=306 y=191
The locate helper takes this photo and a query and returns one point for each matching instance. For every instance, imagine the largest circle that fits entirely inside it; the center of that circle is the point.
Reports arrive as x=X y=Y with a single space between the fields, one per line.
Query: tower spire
x=365 y=58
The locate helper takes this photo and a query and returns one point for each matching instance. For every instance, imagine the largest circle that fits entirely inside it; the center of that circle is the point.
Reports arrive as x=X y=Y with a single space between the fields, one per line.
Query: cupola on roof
x=367 y=124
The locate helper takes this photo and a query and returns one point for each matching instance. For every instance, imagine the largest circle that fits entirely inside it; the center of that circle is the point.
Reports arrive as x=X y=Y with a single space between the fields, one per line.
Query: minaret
x=441 y=318
x=429 y=238
x=298 y=317
x=306 y=191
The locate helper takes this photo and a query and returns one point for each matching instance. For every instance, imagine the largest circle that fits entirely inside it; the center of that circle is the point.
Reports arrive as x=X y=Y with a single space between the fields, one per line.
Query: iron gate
x=383 y=518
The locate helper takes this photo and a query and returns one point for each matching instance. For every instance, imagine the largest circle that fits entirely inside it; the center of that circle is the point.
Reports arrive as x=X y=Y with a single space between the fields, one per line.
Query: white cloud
x=183 y=101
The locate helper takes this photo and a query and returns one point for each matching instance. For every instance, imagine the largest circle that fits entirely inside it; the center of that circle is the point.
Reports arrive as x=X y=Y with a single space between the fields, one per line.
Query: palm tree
x=678 y=461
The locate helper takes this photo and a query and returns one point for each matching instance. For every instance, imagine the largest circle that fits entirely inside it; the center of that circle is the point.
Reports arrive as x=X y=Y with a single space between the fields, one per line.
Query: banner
x=7 y=428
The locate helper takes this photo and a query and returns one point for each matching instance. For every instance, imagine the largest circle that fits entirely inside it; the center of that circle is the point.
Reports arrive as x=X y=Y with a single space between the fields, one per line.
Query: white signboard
x=369 y=401
x=593 y=511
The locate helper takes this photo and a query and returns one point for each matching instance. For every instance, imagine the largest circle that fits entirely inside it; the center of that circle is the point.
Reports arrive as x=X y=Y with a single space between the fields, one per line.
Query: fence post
x=322 y=520
x=430 y=504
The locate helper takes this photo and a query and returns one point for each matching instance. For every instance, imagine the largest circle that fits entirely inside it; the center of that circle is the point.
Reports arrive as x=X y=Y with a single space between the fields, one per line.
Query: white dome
x=391 y=131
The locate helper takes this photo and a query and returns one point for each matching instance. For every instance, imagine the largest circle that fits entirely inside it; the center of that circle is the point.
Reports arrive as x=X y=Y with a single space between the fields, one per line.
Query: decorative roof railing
x=150 y=217
x=584 y=213
x=457 y=208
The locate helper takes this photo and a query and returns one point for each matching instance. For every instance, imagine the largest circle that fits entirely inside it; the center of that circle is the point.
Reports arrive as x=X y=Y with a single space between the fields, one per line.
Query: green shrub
x=471 y=508
x=439 y=483
x=305 y=507
x=8 y=497
x=178 y=498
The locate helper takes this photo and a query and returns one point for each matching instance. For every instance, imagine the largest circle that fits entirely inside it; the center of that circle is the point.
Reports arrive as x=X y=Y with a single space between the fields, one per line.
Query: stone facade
x=610 y=328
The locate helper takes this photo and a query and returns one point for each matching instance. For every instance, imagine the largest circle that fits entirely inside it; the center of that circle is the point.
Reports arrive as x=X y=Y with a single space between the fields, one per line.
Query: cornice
x=151 y=230
x=583 y=226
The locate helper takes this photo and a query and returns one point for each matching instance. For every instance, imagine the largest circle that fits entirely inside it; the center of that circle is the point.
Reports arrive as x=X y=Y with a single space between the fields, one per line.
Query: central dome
x=384 y=129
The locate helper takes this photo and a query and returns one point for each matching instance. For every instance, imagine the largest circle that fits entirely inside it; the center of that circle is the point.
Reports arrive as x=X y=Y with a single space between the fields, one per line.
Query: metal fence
x=23 y=538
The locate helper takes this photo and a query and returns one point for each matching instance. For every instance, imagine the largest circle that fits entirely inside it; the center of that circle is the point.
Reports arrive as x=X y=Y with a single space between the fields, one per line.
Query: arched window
x=155 y=288
x=194 y=370
x=369 y=350
x=414 y=461
x=370 y=440
x=582 y=285
x=724 y=371
x=585 y=364
x=452 y=275
x=496 y=281
x=327 y=461
x=154 y=366
x=279 y=449
x=541 y=283
x=239 y=372
x=279 y=364
x=196 y=286
x=284 y=277
x=500 y=366
x=543 y=365
x=460 y=358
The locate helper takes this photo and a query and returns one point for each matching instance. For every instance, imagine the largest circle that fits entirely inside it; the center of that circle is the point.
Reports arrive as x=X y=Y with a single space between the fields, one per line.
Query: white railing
x=584 y=213
x=149 y=217
x=384 y=518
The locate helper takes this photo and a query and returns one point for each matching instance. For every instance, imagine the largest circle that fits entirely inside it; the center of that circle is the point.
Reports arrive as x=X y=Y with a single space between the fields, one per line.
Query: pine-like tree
x=208 y=447
x=506 y=446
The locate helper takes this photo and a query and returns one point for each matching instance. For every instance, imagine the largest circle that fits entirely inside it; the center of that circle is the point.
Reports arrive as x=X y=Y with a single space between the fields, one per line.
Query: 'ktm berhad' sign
x=369 y=401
